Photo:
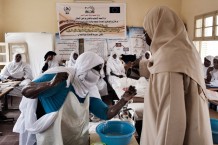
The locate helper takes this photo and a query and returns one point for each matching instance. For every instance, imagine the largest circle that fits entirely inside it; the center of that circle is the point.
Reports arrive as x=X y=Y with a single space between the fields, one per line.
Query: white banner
x=86 y=20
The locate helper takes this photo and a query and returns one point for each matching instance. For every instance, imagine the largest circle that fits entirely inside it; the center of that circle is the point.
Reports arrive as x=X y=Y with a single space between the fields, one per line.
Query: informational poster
x=63 y=48
x=120 y=46
x=137 y=40
x=91 y=20
x=98 y=46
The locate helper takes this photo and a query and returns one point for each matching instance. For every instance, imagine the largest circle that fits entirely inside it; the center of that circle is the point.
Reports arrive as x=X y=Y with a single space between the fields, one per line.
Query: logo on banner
x=89 y=9
x=67 y=10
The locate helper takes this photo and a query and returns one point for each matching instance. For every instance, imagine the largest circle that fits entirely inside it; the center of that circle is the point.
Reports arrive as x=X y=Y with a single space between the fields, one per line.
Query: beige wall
x=192 y=8
x=40 y=15
x=1 y=21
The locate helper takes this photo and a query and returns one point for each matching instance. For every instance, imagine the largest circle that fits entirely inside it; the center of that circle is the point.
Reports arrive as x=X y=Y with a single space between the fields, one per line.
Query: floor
x=10 y=138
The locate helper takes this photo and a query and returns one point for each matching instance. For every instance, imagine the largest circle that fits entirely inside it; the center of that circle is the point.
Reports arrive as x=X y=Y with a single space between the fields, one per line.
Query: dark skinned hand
x=59 y=77
x=209 y=69
x=130 y=93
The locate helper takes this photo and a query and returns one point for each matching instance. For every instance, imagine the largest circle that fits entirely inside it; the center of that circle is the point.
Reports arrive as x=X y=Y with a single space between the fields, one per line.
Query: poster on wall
x=63 y=48
x=91 y=20
x=137 y=41
x=119 y=46
x=98 y=46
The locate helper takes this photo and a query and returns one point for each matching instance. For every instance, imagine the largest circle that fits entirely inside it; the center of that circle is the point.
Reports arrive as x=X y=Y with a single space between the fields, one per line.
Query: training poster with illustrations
x=63 y=48
x=96 y=45
x=91 y=20
x=137 y=40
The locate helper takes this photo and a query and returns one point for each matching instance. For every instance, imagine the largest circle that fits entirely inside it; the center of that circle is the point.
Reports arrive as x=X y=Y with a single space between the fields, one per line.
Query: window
x=206 y=26
x=206 y=48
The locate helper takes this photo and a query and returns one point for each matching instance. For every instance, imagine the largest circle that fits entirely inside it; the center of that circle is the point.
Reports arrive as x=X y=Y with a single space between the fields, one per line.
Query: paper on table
x=212 y=95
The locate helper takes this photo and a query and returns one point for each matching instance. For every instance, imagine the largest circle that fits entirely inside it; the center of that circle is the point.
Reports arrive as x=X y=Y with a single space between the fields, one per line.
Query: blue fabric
x=52 y=99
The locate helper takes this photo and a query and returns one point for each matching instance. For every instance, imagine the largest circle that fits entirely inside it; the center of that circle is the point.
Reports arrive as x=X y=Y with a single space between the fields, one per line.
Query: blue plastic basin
x=214 y=127
x=115 y=132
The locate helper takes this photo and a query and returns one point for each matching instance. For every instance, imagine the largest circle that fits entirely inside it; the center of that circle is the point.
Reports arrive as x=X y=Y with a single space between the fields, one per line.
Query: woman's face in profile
x=98 y=67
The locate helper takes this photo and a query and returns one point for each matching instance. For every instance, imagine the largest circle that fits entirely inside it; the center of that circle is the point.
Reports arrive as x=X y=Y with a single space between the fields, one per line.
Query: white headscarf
x=14 y=66
x=72 y=61
x=115 y=65
x=171 y=47
x=210 y=58
x=86 y=77
x=17 y=69
x=82 y=76
x=216 y=57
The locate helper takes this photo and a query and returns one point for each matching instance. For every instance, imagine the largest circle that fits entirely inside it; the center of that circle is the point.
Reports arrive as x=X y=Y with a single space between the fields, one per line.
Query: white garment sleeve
x=28 y=72
x=5 y=73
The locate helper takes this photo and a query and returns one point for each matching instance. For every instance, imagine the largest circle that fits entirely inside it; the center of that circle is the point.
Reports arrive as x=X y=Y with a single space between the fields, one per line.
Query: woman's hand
x=59 y=77
x=130 y=93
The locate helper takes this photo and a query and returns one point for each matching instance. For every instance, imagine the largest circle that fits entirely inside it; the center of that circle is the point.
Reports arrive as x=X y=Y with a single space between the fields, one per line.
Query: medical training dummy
x=50 y=61
x=66 y=95
x=73 y=56
x=114 y=68
x=17 y=70
x=176 y=108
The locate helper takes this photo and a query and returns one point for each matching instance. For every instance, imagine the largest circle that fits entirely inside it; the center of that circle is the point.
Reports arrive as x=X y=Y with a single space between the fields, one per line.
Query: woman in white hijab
x=73 y=56
x=208 y=62
x=176 y=108
x=212 y=73
x=114 y=68
x=66 y=104
x=50 y=61
x=17 y=70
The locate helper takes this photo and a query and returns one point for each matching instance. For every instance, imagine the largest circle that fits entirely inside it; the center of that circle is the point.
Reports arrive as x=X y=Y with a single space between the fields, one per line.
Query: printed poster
x=91 y=20
x=63 y=48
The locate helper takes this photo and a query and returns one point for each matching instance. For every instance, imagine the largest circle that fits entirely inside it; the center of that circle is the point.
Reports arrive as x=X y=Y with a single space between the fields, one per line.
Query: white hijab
x=82 y=76
x=72 y=61
x=210 y=58
x=14 y=66
x=86 y=78
x=172 y=50
x=115 y=64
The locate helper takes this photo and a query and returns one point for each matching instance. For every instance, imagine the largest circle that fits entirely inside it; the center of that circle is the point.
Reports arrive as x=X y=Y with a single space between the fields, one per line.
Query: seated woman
x=73 y=56
x=66 y=104
x=212 y=73
x=17 y=70
x=208 y=62
x=115 y=68
x=49 y=61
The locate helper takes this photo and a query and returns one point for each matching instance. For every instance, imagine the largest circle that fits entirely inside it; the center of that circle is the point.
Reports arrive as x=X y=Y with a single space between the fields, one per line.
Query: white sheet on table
x=212 y=95
x=121 y=83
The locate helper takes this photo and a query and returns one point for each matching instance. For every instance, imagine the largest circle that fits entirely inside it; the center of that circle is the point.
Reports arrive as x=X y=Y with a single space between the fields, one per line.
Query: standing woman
x=176 y=109
x=73 y=56
x=17 y=70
